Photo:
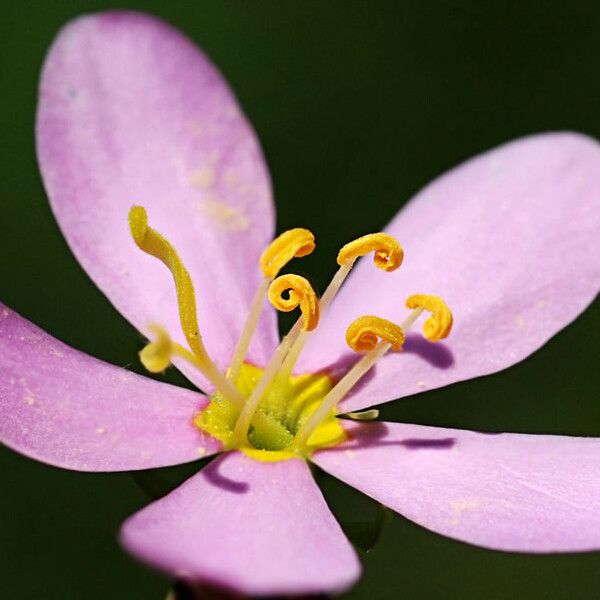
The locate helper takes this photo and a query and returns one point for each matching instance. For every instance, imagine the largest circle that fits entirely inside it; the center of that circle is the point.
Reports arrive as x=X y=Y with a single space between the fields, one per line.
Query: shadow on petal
x=336 y=370
x=212 y=474
x=435 y=443
x=437 y=355
x=374 y=434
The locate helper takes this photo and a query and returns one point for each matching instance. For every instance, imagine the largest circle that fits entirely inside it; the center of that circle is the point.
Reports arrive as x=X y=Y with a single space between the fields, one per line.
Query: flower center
x=270 y=413
x=283 y=409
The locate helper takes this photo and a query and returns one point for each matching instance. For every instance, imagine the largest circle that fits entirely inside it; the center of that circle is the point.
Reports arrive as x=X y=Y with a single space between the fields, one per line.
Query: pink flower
x=130 y=113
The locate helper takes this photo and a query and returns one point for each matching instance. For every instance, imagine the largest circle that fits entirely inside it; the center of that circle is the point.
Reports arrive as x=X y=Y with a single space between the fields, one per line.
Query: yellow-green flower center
x=283 y=409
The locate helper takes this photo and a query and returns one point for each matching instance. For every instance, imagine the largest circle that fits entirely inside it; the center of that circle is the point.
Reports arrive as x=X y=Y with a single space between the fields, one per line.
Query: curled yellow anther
x=439 y=324
x=300 y=293
x=388 y=251
x=365 y=332
x=293 y=243
x=151 y=242
x=156 y=356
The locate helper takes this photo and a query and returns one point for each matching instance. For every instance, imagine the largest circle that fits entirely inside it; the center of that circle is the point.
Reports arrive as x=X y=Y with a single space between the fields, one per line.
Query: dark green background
x=358 y=105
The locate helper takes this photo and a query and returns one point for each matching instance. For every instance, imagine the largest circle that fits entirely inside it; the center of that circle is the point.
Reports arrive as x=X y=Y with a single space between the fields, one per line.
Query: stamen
x=151 y=242
x=439 y=324
x=243 y=344
x=388 y=251
x=363 y=339
x=300 y=294
x=388 y=256
x=338 y=392
x=293 y=243
x=364 y=334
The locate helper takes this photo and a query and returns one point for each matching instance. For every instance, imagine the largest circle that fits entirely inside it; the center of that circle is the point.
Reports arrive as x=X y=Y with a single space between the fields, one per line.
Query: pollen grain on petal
x=299 y=294
x=364 y=334
x=388 y=251
x=203 y=177
x=293 y=243
x=439 y=324
x=224 y=216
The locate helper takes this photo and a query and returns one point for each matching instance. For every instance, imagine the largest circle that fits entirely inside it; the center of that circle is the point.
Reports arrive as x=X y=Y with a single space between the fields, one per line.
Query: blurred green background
x=358 y=105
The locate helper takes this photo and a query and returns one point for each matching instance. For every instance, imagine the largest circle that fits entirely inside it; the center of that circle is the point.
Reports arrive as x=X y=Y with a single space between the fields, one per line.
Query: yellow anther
x=151 y=242
x=156 y=356
x=388 y=251
x=365 y=332
x=300 y=294
x=439 y=324
x=293 y=243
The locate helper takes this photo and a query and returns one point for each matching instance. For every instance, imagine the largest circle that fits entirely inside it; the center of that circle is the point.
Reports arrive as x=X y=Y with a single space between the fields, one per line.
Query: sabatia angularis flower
x=143 y=150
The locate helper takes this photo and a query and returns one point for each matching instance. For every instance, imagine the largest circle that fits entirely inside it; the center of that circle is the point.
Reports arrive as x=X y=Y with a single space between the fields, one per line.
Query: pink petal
x=67 y=409
x=510 y=240
x=525 y=493
x=131 y=112
x=252 y=527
